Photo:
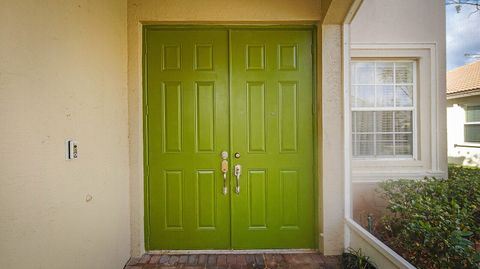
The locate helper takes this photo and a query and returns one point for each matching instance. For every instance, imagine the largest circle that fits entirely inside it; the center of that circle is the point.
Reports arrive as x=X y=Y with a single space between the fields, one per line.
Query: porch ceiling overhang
x=335 y=11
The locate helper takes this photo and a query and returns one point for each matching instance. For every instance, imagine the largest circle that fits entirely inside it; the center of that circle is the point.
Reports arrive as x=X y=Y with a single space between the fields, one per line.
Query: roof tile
x=464 y=79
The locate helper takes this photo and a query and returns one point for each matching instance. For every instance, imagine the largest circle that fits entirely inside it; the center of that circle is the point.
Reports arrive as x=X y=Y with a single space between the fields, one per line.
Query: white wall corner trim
x=383 y=249
x=348 y=213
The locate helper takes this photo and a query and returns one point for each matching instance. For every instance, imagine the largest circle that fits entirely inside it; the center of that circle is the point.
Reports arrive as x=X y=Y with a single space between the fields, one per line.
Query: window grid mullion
x=354 y=134
x=394 y=134
x=375 y=105
x=400 y=108
x=382 y=84
x=383 y=133
x=375 y=134
x=375 y=84
x=394 y=85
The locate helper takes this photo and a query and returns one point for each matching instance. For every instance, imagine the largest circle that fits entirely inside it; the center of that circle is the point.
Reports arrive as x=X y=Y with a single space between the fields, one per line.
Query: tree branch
x=459 y=3
x=475 y=3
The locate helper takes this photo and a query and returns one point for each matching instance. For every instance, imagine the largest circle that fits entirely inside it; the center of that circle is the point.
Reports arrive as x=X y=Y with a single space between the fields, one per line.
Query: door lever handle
x=224 y=171
x=237 y=172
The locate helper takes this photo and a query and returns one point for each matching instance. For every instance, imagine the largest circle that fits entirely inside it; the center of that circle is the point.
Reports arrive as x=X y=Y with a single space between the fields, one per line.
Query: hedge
x=434 y=223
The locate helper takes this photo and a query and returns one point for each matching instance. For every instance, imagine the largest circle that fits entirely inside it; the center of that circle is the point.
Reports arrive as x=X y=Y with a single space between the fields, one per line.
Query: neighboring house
x=463 y=114
x=321 y=99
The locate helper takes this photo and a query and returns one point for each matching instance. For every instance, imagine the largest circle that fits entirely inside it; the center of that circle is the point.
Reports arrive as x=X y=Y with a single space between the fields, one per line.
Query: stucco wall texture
x=63 y=75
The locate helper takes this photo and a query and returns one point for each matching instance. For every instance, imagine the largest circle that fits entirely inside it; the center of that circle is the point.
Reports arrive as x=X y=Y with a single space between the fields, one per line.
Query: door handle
x=224 y=171
x=237 y=172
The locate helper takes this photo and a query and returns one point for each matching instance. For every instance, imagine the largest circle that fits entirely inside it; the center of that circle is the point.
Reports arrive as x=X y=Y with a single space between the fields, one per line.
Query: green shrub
x=356 y=259
x=435 y=223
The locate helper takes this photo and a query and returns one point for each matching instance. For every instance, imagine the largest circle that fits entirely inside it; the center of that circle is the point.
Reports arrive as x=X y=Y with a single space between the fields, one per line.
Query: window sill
x=467 y=145
x=402 y=163
x=375 y=159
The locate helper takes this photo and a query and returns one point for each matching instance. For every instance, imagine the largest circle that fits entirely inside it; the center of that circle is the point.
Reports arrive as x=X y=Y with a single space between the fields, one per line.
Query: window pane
x=384 y=96
x=363 y=145
x=472 y=132
x=364 y=73
x=403 y=144
x=403 y=121
x=384 y=73
x=404 y=72
x=404 y=96
x=365 y=96
x=473 y=113
x=384 y=144
x=363 y=121
x=384 y=121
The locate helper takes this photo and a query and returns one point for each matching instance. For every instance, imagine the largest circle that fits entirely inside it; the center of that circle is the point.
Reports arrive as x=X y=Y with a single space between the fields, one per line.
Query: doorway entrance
x=229 y=145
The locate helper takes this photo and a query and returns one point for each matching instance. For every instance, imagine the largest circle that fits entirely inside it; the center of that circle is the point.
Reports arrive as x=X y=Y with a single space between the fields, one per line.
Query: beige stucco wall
x=332 y=165
x=63 y=75
x=367 y=200
x=460 y=154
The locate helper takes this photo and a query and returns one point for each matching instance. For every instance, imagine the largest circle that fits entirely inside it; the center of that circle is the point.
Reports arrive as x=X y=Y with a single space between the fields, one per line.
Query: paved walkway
x=235 y=261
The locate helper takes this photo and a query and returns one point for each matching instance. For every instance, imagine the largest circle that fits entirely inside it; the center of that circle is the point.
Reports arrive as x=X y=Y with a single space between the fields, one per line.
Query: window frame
x=466 y=122
x=413 y=108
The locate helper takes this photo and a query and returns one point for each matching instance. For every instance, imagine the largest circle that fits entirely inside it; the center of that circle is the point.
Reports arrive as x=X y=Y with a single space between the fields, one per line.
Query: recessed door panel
x=205 y=116
x=287 y=115
x=172 y=115
x=173 y=193
x=256 y=116
x=257 y=199
x=289 y=193
x=206 y=199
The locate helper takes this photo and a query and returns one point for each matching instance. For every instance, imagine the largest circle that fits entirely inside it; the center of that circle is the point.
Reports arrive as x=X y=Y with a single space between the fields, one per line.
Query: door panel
x=271 y=128
x=187 y=128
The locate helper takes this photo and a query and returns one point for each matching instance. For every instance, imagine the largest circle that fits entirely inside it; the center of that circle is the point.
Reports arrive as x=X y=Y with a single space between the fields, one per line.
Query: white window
x=472 y=124
x=383 y=108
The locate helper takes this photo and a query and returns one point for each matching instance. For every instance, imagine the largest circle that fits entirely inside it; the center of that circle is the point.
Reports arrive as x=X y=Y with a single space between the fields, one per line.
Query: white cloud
x=463 y=35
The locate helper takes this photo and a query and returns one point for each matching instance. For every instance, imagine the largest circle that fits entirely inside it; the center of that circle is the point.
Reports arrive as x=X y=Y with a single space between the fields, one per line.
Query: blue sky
x=463 y=35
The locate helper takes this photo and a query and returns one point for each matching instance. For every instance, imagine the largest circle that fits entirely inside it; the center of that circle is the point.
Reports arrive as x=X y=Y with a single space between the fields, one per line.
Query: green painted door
x=187 y=120
x=240 y=90
x=271 y=119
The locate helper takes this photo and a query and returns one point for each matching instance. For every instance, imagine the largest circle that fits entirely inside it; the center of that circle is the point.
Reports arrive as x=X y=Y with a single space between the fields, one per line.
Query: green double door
x=245 y=92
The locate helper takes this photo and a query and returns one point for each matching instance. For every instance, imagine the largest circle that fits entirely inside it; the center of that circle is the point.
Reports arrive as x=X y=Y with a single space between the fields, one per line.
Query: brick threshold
x=231 y=251
x=235 y=260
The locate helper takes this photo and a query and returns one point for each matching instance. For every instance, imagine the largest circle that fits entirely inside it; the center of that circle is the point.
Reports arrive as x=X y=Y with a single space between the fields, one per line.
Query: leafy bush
x=356 y=259
x=435 y=223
